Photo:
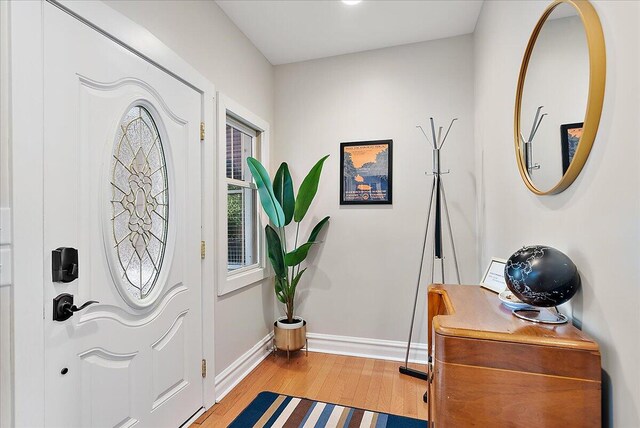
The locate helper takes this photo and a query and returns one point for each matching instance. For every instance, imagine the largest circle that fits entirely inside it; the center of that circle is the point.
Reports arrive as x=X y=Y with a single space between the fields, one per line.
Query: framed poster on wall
x=366 y=172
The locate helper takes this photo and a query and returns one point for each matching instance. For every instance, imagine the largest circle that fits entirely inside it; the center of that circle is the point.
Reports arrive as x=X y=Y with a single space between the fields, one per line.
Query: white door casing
x=128 y=360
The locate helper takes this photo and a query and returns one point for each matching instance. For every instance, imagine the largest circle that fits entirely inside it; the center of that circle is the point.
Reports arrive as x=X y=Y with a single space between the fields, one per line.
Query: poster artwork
x=366 y=172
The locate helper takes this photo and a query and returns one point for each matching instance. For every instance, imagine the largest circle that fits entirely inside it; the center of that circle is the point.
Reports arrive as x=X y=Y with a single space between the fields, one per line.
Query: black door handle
x=63 y=307
x=74 y=308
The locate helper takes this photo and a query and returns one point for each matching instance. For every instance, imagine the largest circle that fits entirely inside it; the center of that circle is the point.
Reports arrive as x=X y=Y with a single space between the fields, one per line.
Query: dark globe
x=541 y=276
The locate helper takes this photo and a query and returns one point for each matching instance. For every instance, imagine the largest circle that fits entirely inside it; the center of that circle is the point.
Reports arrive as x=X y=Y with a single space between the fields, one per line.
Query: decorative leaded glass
x=140 y=202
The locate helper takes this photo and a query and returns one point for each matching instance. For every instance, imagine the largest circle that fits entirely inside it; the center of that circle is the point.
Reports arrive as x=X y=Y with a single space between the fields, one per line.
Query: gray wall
x=361 y=281
x=204 y=36
x=6 y=380
x=596 y=221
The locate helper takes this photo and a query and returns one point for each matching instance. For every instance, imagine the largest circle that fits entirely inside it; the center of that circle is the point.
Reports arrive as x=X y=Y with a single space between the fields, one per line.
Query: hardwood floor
x=349 y=381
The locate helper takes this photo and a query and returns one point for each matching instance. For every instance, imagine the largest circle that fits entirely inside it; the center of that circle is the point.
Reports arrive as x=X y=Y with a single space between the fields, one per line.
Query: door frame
x=26 y=148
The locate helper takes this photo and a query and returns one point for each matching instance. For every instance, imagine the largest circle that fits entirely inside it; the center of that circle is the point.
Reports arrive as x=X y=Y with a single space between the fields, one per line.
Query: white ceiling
x=290 y=31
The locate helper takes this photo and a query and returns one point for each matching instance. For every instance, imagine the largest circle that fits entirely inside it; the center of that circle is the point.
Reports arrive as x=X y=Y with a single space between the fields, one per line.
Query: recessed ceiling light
x=351 y=2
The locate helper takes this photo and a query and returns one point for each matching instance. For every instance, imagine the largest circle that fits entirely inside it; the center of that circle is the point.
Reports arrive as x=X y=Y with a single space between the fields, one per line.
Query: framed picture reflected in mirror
x=570 y=135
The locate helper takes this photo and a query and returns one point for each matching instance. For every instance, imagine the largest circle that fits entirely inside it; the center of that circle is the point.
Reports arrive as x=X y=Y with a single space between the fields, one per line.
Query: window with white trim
x=240 y=134
x=242 y=209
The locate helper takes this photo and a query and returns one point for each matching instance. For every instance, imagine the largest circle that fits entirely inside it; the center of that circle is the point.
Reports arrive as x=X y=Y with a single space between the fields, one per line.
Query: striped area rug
x=269 y=409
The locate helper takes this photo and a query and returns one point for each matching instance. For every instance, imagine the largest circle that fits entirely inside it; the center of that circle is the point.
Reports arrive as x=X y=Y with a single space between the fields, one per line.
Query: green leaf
x=295 y=281
x=308 y=190
x=283 y=190
x=298 y=255
x=265 y=190
x=274 y=250
x=316 y=230
x=280 y=292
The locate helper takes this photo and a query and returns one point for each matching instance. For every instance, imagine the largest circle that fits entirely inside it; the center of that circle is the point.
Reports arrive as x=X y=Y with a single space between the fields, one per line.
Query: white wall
x=202 y=34
x=596 y=221
x=361 y=281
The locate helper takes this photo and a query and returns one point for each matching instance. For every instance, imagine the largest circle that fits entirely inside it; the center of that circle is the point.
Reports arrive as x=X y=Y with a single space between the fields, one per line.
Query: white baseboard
x=364 y=347
x=240 y=368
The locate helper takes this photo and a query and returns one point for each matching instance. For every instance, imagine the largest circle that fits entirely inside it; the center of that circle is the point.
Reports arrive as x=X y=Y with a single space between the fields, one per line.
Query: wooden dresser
x=491 y=369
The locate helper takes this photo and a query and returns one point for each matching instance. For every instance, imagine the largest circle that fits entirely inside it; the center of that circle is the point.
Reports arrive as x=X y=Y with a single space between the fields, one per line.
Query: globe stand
x=540 y=316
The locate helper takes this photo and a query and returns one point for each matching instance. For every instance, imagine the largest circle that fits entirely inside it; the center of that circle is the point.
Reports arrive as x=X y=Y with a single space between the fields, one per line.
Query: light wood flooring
x=349 y=381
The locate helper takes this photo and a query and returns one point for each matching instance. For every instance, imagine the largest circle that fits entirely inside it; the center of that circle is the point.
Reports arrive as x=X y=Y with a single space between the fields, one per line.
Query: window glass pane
x=237 y=155
x=239 y=147
x=242 y=246
x=229 y=152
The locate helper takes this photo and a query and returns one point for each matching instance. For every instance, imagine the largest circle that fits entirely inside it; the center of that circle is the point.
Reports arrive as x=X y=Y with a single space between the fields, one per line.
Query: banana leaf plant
x=282 y=206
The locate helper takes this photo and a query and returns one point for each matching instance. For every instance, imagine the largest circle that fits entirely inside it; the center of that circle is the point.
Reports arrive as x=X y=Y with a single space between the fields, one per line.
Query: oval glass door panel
x=554 y=98
x=140 y=203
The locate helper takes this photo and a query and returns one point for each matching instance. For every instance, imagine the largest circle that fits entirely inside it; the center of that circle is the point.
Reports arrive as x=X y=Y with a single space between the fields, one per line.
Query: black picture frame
x=569 y=142
x=375 y=176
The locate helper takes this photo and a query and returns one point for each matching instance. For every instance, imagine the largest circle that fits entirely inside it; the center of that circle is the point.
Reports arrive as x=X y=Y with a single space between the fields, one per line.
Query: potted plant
x=282 y=207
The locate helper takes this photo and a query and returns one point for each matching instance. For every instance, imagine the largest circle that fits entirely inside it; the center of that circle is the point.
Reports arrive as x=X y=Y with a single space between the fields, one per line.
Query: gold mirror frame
x=597 y=77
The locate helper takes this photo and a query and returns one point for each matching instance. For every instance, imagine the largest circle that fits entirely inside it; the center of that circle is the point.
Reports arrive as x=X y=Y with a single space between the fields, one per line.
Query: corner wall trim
x=364 y=347
x=5 y=247
x=240 y=368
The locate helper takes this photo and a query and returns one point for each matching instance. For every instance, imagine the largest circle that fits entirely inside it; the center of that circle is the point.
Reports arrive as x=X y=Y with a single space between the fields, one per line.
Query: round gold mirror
x=559 y=96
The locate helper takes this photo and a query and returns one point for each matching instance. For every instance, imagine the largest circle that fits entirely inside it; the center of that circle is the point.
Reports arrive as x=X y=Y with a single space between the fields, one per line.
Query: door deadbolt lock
x=63 y=307
x=64 y=264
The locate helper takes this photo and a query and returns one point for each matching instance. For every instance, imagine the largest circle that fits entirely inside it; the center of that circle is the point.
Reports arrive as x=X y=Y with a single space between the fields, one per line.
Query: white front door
x=122 y=183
